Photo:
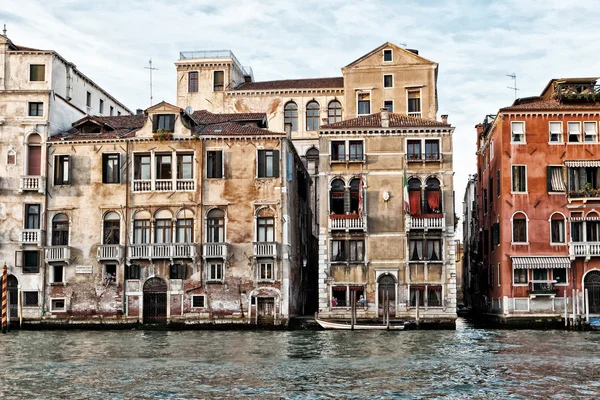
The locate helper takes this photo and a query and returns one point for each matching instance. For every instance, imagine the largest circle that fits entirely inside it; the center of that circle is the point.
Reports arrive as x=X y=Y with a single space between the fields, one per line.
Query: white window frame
x=53 y=299
x=564 y=219
x=213 y=81
x=594 y=136
x=116 y=276
x=519 y=284
x=512 y=229
x=209 y=277
x=413 y=89
x=512 y=135
x=53 y=281
x=499 y=275
x=383 y=82
x=369 y=91
x=566 y=186
x=491 y=150
x=260 y=263
x=383 y=55
x=69 y=169
x=422 y=155
x=25 y=305
x=222 y=150
x=574 y=123
x=192 y=301
x=561 y=135
x=512 y=191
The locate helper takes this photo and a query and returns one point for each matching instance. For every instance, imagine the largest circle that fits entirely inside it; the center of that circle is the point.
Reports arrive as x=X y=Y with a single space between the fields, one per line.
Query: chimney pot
x=445 y=118
x=139 y=111
x=385 y=117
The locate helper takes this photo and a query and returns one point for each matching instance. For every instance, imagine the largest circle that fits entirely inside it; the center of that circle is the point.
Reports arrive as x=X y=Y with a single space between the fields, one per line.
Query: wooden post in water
x=418 y=303
x=573 y=294
x=587 y=306
x=352 y=308
x=566 y=309
x=4 y=298
x=20 y=309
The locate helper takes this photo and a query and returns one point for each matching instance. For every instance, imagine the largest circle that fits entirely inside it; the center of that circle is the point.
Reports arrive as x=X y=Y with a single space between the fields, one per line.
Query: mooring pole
x=4 y=298
x=566 y=309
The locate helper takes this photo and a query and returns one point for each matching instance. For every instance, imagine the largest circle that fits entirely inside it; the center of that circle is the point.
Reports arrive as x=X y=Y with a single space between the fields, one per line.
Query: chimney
x=445 y=118
x=385 y=117
x=479 y=128
x=414 y=51
x=139 y=111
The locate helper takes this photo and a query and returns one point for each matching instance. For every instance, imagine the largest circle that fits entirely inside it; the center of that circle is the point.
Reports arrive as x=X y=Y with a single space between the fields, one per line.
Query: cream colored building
x=392 y=254
x=41 y=94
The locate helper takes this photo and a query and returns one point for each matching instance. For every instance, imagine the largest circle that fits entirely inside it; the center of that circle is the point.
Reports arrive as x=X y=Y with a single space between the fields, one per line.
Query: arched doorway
x=13 y=298
x=386 y=296
x=155 y=301
x=591 y=282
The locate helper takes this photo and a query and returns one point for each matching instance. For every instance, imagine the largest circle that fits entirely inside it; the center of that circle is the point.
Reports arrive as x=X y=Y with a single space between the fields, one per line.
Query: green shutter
x=154 y=123
x=219 y=169
x=104 y=167
x=549 y=179
x=275 y=163
x=261 y=163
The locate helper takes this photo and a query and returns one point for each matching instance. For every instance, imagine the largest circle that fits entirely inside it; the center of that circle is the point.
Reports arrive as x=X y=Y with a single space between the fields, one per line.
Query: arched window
x=184 y=232
x=334 y=111
x=141 y=227
x=336 y=197
x=312 y=160
x=163 y=227
x=414 y=196
x=557 y=228
x=312 y=116
x=215 y=226
x=355 y=196
x=519 y=227
x=290 y=115
x=60 y=230
x=265 y=225
x=434 y=205
x=34 y=154
x=112 y=228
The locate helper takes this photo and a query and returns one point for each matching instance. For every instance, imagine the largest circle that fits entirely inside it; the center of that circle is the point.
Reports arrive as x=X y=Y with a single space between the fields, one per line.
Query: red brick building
x=538 y=203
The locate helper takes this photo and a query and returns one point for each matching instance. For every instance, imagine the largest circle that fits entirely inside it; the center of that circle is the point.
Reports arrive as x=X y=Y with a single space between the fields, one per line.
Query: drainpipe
x=126 y=218
x=43 y=222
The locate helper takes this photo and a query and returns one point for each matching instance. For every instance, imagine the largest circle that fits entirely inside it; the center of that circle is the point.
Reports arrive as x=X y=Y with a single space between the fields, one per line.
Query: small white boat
x=357 y=327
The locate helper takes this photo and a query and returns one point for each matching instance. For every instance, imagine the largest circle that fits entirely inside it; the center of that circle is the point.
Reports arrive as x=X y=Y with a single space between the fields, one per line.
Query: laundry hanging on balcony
x=535 y=262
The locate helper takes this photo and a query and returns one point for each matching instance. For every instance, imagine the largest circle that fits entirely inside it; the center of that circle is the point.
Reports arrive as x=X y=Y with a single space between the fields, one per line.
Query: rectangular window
x=268 y=163
x=198 y=301
x=178 y=271
x=495 y=234
x=112 y=111
x=413 y=149
x=214 y=164
x=577 y=231
x=560 y=276
x=111 y=168
x=57 y=305
x=32 y=216
x=574 y=129
x=387 y=55
x=389 y=104
x=164 y=168
x=61 y=170
x=31 y=261
x=112 y=231
x=185 y=166
x=36 y=109
x=132 y=271
x=37 y=72
x=414 y=103
x=498 y=274
x=517 y=132
x=590 y=130
x=142 y=167
x=110 y=274
x=491 y=270
x=364 y=103
x=356 y=250
x=118 y=113
x=30 y=299
x=193 y=81
x=432 y=150
x=338 y=296
x=356 y=150
x=141 y=231
x=554 y=179
x=498 y=183
x=163 y=122
x=57 y=274
x=265 y=229
x=491 y=186
x=556 y=132
x=101 y=107
x=265 y=271
x=388 y=81
x=417 y=296
x=520 y=276
x=485 y=201
x=338 y=151
x=88 y=99
x=519 y=179
x=163 y=231
x=219 y=81
x=557 y=230
x=215 y=271
x=185 y=230
x=338 y=250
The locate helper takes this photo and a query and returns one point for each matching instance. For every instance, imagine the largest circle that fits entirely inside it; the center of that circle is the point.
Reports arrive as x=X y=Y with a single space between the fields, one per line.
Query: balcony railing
x=429 y=221
x=58 y=253
x=163 y=185
x=31 y=236
x=582 y=194
x=214 y=250
x=415 y=114
x=110 y=252
x=142 y=185
x=347 y=158
x=161 y=251
x=186 y=185
x=347 y=222
x=265 y=249
x=584 y=249
x=31 y=182
x=423 y=157
x=542 y=288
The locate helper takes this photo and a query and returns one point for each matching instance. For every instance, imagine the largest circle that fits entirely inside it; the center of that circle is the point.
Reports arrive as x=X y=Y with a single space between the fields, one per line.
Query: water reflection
x=466 y=363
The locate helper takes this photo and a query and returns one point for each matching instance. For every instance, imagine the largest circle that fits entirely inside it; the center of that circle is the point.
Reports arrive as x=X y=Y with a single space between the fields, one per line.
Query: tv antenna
x=151 y=69
x=513 y=76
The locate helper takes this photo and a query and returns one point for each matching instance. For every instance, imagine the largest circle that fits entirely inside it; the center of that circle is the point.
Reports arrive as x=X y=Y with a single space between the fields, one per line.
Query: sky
x=476 y=44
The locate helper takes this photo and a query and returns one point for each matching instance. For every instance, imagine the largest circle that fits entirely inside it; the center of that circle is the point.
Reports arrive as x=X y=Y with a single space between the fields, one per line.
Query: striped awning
x=534 y=262
x=583 y=163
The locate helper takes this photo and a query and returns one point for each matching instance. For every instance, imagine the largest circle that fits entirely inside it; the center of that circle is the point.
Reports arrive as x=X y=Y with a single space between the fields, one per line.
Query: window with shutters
x=557 y=229
x=111 y=168
x=218 y=81
x=164 y=122
x=37 y=72
x=178 y=271
x=496 y=234
x=498 y=183
x=28 y=260
x=554 y=179
x=268 y=163
x=519 y=225
x=214 y=164
x=62 y=170
x=517 y=129
x=193 y=81
x=574 y=130
x=519 y=179
x=555 y=132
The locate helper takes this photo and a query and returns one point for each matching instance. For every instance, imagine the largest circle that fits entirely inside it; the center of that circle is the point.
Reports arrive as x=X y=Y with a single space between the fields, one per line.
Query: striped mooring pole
x=4 y=296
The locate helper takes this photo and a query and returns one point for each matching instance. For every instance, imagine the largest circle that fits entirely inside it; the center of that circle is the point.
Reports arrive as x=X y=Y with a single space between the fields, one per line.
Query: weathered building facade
x=470 y=242
x=538 y=205
x=41 y=94
x=387 y=219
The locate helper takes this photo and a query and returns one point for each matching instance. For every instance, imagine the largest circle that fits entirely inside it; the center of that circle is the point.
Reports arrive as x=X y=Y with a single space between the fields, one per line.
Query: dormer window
x=387 y=55
x=163 y=122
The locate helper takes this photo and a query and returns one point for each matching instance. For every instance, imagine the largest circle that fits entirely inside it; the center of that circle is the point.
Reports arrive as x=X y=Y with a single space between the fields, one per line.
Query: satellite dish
x=189 y=110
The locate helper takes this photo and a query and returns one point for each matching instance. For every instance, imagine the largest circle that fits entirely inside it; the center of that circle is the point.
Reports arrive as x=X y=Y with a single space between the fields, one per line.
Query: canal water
x=461 y=364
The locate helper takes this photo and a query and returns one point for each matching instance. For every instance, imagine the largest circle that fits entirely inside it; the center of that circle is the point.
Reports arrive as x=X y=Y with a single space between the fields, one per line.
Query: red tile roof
x=374 y=121
x=550 y=104
x=237 y=129
x=122 y=126
x=204 y=117
x=313 y=83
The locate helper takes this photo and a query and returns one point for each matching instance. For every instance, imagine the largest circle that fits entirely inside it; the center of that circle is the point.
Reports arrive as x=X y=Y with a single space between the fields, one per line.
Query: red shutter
x=34 y=160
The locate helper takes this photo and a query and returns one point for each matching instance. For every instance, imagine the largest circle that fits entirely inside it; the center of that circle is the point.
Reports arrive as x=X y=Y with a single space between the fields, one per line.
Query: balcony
x=415 y=114
x=584 y=249
x=32 y=183
x=152 y=251
x=163 y=185
x=110 y=252
x=31 y=236
x=423 y=157
x=426 y=221
x=265 y=249
x=58 y=254
x=347 y=158
x=214 y=250
x=541 y=288
x=347 y=222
